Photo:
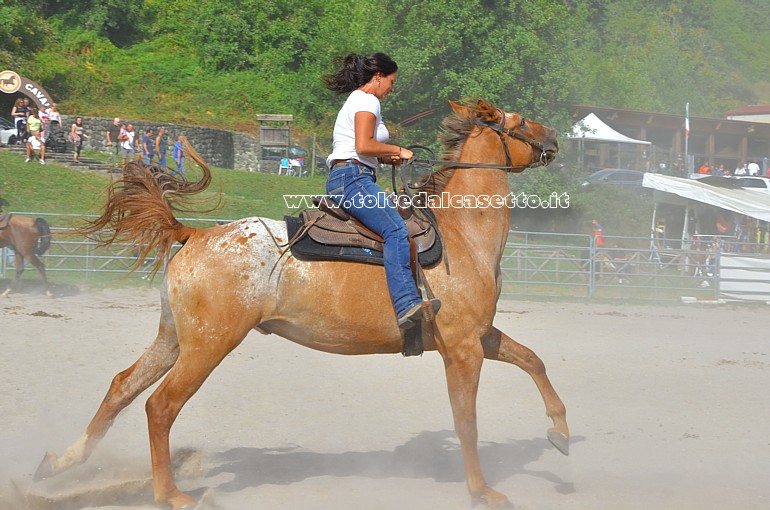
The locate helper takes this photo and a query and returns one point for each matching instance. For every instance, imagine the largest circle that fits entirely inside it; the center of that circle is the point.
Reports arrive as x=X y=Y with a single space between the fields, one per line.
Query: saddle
x=330 y=233
x=5 y=220
x=330 y=225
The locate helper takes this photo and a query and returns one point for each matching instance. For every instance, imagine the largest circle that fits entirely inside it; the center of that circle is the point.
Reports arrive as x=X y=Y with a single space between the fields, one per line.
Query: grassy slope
x=58 y=189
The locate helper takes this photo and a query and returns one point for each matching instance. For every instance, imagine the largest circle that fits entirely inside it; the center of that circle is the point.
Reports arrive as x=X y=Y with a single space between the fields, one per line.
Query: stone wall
x=224 y=149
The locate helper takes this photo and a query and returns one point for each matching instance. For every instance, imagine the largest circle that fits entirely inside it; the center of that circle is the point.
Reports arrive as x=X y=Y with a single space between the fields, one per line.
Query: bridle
x=502 y=132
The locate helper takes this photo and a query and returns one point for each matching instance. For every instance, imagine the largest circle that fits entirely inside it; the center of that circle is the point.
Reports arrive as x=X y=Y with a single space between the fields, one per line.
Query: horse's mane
x=454 y=132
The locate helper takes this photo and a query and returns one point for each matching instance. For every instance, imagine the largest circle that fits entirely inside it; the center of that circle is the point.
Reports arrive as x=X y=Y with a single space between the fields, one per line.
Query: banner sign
x=11 y=82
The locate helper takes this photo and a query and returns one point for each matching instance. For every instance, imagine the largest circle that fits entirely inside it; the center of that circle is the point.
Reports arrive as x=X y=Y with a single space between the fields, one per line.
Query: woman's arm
x=367 y=145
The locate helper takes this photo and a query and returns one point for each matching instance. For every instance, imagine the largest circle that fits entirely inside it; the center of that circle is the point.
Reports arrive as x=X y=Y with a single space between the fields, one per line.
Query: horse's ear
x=487 y=111
x=458 y=108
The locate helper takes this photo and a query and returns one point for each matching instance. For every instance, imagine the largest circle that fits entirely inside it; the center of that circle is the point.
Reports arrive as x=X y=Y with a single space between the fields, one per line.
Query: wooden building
x=712 y=141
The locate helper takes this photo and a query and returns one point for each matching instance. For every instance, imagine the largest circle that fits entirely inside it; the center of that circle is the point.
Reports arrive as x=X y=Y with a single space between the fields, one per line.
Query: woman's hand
x=403 y=155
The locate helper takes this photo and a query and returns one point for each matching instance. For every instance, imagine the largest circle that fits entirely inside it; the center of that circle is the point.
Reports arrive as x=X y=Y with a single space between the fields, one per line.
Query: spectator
x=53 y=114
x=179 y=156
x=148 y=147
x=598 y=233
x=161 y=146
x=113 y=137
x=34 y=143
x=753 y=168
x=77 y=132
x=19 y=115
x=42 y=114
x=127 y=144
x=34 y=124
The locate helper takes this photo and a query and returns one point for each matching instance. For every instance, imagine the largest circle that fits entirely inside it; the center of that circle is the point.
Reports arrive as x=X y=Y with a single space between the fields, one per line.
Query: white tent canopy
x=747 y=202
x=592 y=128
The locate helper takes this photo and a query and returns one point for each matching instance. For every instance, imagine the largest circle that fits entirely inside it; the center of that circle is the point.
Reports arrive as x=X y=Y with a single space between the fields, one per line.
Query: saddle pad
x=308 y=249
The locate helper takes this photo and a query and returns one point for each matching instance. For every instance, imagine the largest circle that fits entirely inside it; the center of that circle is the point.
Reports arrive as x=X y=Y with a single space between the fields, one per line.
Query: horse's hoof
x=5 y=293
x=181 y=501
x=46 y=467
x=559 y=440
x=49 y=294
x=492 y=499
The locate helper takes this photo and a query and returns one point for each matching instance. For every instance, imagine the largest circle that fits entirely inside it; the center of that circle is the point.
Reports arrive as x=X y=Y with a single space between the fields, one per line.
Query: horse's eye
x=523 y=122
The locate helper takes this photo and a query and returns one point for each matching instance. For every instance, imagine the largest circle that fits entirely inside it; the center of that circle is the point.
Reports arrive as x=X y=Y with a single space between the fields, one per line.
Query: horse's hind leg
x=202 y=349
x=499 y=346
x=35 y=261
x=125 y=387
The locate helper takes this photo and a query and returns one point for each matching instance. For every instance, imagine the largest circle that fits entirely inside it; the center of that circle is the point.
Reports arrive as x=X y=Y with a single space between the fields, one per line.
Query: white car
x=7 y=132
x=754 y=183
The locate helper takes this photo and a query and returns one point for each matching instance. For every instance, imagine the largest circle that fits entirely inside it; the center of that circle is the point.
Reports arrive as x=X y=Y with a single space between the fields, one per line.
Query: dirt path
x=667 y=405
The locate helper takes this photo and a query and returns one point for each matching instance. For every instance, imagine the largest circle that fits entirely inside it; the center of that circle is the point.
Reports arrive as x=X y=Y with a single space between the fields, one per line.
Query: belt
x=352 y=160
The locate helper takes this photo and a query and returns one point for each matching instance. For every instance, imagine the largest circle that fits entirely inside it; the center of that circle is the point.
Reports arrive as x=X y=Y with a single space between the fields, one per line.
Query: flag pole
x=687 y=138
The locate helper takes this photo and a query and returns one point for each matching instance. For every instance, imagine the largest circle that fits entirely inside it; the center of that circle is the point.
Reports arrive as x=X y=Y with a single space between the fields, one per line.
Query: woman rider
x=359 y=143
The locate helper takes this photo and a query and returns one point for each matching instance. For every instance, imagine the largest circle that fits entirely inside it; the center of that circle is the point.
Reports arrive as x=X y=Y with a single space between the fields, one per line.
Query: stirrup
x=420 y=311
x=417 y=325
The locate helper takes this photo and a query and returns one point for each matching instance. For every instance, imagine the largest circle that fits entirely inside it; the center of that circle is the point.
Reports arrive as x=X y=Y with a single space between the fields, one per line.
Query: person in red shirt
x=598 y=233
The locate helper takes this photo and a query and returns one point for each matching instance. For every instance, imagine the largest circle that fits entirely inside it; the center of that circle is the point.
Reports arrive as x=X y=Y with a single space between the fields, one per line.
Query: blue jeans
x=353 y=187
x=162 y=160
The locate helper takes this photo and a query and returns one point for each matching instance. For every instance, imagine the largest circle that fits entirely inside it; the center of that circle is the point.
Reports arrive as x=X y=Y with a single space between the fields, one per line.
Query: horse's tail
x=44 y=240
x=140 y=209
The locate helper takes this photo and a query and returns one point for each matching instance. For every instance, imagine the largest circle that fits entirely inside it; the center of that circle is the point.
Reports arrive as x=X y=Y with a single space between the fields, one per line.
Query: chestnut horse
x=29 y=237
x=232 y=278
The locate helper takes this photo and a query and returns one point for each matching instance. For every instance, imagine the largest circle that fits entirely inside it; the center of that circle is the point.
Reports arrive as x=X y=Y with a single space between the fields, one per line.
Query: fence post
x=717 y=264
x=591 y=266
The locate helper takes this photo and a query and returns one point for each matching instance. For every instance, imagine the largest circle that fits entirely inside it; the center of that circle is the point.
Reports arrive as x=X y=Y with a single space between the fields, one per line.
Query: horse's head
x=526 y=143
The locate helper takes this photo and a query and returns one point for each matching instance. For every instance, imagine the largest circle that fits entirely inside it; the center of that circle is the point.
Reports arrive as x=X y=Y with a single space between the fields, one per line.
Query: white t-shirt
x=344 y=146
x=128 y=142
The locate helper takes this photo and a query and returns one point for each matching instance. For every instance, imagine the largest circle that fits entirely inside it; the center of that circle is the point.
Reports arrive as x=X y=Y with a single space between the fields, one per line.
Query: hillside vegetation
x=219 y=62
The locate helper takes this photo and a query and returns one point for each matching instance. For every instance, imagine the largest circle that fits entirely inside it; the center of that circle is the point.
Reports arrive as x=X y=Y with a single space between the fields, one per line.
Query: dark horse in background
x=29 y=237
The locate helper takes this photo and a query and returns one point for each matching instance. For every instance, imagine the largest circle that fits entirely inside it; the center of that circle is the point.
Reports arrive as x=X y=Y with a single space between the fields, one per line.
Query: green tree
x=22 y=33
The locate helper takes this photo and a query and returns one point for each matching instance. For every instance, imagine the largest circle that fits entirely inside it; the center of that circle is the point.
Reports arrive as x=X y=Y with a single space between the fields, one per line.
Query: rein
x=502 y=132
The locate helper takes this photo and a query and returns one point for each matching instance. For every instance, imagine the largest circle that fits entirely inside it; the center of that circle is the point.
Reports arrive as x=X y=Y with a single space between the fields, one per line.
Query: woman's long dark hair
x=356 y=70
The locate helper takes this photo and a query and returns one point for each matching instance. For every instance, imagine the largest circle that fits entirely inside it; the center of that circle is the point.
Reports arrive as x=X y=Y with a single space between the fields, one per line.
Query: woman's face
x=78 y=121
x=385 y=85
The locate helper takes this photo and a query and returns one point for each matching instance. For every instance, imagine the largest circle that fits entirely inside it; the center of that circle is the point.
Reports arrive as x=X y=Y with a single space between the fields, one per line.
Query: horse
x=30 y=238
x=230 y=279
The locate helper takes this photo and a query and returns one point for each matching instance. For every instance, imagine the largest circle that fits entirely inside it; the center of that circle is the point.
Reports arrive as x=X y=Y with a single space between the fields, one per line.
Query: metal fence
x=71 y=253
x=533 y=264
x=632 y=267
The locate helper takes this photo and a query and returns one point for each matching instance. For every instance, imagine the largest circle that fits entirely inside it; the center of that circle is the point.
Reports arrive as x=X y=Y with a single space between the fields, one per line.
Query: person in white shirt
x=753 y=168
x=359 y=142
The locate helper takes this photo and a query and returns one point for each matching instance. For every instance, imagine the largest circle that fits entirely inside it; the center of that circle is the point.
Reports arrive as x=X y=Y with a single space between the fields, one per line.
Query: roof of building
x=753 y=109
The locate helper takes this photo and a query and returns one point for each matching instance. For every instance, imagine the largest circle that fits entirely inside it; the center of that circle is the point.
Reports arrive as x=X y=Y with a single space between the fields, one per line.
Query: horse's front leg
x=19 y=265
x=500 y=347
x=463 y=369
